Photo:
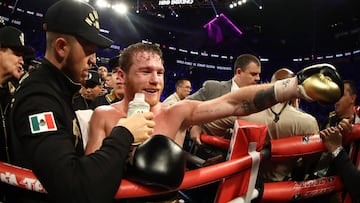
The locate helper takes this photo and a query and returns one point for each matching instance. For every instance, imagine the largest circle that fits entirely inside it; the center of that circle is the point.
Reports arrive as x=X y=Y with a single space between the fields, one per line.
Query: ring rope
x=280 y=191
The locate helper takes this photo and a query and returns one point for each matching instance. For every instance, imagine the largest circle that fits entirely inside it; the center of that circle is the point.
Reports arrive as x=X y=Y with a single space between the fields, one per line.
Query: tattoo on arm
x=246 y=106
x=264 y=98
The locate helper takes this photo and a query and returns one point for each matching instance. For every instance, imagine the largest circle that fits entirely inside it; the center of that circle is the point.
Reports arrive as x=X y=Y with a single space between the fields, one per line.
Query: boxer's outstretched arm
x=244 y=101
x=319 y=83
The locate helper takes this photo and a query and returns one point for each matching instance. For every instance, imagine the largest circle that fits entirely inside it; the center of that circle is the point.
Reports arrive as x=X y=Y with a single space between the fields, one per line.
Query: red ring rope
x=281 y=191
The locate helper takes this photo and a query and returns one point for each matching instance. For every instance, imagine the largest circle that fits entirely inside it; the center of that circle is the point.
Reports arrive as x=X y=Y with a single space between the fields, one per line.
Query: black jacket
x=5 y=96
x=105 y=99
x=52 y=147
x=349 y=175
x=80 y=103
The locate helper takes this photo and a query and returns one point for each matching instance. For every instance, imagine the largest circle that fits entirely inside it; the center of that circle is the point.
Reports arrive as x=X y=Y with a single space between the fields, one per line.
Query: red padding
x=26 y=179
x=292 y=190
x=215 y=141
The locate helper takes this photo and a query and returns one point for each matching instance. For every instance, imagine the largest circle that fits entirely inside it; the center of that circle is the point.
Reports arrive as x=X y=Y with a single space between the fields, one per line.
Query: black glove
x=158 y=161
x=320 y=82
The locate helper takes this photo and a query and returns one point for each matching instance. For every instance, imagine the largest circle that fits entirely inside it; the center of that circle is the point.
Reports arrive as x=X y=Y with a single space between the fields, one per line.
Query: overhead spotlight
x=173 y=13
x=120 y=8
x=102 y=4
x=237 y=3
x=160 y=15
x=258 y=4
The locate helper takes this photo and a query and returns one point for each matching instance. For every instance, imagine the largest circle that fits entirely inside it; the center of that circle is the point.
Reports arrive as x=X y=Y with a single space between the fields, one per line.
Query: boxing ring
x=237 y=175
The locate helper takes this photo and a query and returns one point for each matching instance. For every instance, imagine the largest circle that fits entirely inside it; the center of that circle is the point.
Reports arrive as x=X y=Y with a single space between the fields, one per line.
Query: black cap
x=75 y=18
x=14 y=39
x=93 y=78
x=114 y=62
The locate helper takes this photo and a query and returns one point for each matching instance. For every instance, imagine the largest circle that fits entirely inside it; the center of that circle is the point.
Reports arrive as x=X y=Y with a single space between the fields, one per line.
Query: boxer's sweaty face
x=146 y=75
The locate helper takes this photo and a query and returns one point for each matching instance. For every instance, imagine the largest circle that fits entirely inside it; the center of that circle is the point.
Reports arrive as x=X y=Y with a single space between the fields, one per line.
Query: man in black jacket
x=46 y=136
x=88 y=92
x=348 y=173
x=12 y=50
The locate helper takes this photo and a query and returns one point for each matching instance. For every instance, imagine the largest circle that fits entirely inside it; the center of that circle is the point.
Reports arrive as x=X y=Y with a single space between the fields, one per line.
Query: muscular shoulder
x=177 y=114
x=106 y=116
x=106 y=110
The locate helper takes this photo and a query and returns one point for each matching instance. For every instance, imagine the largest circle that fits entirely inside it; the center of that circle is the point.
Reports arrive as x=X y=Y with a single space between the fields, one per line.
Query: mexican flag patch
x=42 y=122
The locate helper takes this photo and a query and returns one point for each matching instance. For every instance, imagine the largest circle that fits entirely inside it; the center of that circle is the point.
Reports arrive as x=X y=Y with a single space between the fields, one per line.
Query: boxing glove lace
x=321 y=83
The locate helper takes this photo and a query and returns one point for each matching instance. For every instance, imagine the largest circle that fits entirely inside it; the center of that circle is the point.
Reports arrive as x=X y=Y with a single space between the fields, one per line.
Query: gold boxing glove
x=321 y=83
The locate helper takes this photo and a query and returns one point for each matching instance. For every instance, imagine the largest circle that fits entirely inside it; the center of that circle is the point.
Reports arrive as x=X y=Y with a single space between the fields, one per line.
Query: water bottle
x=138 y=105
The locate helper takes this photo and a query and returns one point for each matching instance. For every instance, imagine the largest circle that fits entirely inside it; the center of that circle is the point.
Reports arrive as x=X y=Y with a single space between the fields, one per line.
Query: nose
x=154 y=79
x=21 y=60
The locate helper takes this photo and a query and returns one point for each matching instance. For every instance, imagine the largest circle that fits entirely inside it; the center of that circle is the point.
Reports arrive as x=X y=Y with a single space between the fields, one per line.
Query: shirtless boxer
x=143 y=71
